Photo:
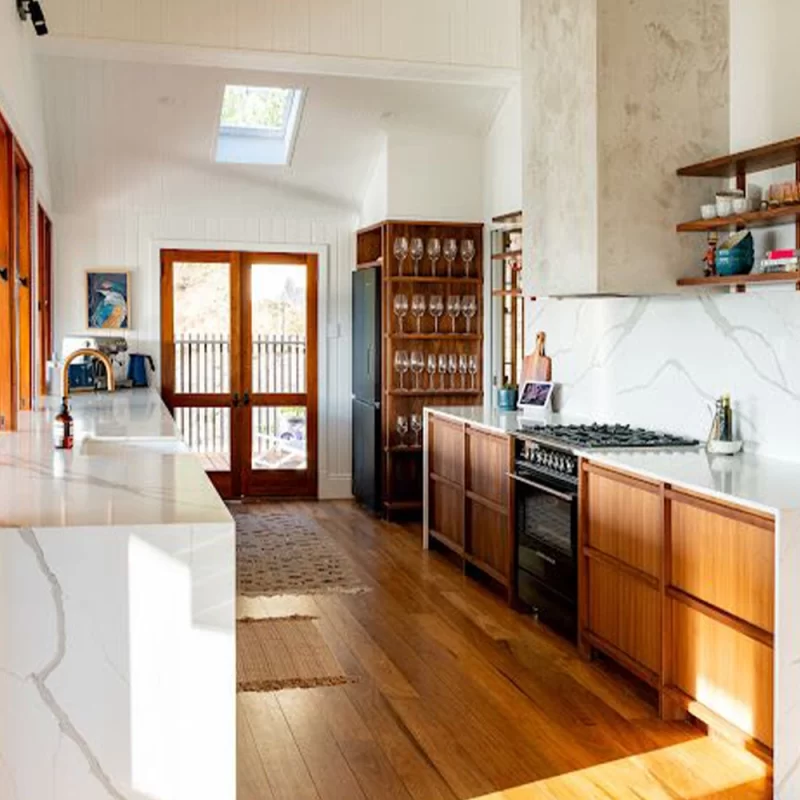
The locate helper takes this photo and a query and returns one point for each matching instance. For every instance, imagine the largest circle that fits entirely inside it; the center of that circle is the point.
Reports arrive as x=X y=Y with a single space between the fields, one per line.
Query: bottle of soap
x=63 y=437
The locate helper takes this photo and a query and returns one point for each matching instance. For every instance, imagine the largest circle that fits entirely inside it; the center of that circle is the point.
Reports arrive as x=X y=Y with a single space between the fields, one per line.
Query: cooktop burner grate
x=607 y=436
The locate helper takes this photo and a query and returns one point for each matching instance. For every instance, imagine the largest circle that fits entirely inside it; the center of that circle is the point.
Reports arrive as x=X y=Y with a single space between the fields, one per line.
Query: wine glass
x=401 y=251
x=418 y=309
x=416 y=426
x=436 y=308
x=417 y=365
x=442 y=361
x=400 y=308
x=467 y=254
x=401 y=364
x=453 y=308
x=452 y=368
x=402 y=429
x=450 y=252
x=469 y=308
x=431 y=369
x=472 y=368
x=434 y=253
x=462 y=368
x=417 y=251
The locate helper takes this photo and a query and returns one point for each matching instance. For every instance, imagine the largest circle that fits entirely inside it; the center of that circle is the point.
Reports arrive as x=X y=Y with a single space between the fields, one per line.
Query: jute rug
x=279 y=552
x=284 y=653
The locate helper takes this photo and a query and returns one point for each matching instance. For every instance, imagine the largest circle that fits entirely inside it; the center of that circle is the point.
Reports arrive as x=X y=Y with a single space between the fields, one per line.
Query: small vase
x=507 y=399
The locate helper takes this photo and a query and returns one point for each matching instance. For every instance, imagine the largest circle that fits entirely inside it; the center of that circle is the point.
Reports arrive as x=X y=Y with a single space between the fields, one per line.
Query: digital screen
x=536 y=393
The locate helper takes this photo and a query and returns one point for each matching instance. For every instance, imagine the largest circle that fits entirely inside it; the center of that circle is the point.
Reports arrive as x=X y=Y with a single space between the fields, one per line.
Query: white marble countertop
x=122 y=485
x=765 y=484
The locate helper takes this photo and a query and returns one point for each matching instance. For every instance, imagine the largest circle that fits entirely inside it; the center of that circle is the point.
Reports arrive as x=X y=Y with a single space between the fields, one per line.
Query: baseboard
x=335 y=487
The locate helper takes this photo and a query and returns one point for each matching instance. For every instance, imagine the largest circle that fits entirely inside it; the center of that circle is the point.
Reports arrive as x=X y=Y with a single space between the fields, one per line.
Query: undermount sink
x=111 y=446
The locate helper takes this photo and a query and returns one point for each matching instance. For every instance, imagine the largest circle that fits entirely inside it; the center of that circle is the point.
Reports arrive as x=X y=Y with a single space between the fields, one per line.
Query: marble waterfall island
x=117 y=590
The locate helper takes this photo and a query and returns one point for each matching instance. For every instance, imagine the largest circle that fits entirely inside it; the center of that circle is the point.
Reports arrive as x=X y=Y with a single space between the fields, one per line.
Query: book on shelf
x=773 y=255
x=780 y=265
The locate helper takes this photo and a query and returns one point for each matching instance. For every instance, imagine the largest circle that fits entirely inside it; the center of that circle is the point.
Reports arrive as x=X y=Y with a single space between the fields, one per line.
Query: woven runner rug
x=279 y=552
x=284 y=653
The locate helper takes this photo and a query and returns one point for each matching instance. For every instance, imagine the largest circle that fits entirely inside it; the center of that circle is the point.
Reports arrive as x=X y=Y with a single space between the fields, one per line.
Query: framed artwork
x=108 y=299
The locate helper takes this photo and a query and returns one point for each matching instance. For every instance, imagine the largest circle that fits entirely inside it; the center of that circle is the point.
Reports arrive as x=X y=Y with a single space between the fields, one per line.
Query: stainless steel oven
x=546 y=523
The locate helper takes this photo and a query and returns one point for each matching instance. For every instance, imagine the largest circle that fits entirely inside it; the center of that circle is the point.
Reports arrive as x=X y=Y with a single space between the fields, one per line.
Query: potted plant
x=507 y=397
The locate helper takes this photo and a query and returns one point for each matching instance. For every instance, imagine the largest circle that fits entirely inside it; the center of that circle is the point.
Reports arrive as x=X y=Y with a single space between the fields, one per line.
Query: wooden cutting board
x=538 y=366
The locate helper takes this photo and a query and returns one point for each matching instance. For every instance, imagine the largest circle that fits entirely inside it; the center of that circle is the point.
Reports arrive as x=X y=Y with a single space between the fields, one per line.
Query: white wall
x=478 y=32
x=375 y=207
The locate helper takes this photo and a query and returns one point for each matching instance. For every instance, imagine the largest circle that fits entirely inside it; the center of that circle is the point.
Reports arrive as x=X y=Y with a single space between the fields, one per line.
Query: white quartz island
x=117 y=591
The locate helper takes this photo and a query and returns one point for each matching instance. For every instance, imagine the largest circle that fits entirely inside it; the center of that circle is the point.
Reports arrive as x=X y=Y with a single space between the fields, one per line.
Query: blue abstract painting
x=108 y=300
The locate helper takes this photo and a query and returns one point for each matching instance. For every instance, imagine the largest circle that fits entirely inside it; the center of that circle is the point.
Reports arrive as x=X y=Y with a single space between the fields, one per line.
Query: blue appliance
x=81 y=376
x=137 y=369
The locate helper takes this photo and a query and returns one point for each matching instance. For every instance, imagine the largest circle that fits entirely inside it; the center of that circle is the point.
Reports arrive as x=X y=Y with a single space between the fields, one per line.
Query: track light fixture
x=33 y=9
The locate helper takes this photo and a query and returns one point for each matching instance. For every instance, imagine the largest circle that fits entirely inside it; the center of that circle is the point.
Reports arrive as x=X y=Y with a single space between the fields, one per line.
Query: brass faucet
x=87 y=351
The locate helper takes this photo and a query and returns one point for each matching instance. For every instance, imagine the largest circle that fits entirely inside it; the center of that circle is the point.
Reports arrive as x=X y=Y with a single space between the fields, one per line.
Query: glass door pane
x=279 y=438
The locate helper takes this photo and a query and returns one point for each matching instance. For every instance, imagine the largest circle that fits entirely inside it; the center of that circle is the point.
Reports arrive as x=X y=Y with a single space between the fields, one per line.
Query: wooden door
x=24 y=289
x=201 y=380
x=45 y=289
x=8 y=368
x=279 y=351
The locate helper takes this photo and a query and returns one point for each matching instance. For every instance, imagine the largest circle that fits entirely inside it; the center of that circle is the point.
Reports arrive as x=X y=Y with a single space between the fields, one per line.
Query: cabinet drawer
x=446 y=449
x=488 y=465
x=725 y=670
x=447 y=512
x=488 y=537
x=727 y=561
x=626 y=612
x=624 y=519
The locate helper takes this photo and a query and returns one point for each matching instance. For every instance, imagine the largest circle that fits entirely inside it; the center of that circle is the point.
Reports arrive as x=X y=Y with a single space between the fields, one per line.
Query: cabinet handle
x=544 y=557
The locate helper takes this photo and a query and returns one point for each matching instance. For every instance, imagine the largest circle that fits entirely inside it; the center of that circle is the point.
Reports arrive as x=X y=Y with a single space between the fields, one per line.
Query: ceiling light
x=32 y=9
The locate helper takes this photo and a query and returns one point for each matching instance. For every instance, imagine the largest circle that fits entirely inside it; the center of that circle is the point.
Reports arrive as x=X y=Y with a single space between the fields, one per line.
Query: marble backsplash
x=662 y=361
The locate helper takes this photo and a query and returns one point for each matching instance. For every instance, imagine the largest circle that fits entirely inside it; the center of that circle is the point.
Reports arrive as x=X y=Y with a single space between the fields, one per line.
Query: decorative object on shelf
x=453 y=310
x=450 y=252
x=436 y=309
x=467 y=254
x=708 y=211
x=710 y=257
x=434 y=253
x=108 y=299
x=741 y=205
x=417 y=365
x=416 y=427
x=400 y=304
x=721 y=440
x=780 y=261
x=401 y=424
x=507 y=397
x=402 y=365
x=736 y=255
x=400 y=252
x=783 y=194
x=725 y=200
x=469 y=308
x=417 y=251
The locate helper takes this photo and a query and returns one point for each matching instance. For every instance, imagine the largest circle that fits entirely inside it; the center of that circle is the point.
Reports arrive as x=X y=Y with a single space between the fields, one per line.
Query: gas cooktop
x=597 y=436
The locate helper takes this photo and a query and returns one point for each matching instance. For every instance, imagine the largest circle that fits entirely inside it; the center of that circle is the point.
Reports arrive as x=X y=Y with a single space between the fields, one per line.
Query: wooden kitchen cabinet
x=468 y=508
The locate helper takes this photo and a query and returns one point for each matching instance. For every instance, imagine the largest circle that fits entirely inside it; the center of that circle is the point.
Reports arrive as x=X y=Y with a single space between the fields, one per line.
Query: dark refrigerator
x=367 y=387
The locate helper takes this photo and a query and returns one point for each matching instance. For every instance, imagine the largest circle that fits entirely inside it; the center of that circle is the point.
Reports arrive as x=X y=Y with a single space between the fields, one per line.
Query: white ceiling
x=160 y=116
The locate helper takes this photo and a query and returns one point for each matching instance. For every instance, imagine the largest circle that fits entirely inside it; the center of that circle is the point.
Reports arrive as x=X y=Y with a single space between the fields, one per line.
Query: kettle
x=137 y=368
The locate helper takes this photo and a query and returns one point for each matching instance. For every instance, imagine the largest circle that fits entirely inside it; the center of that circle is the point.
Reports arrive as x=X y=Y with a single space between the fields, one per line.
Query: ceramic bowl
x=739 y=205
x=724 y=206
x=708 y=211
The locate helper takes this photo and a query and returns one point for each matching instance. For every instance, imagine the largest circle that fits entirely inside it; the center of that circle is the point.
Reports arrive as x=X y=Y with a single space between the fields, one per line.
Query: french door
x=239 y=366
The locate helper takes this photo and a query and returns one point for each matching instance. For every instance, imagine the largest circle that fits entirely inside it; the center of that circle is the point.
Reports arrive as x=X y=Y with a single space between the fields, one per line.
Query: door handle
x=246 y=399
x=544 y=557
x=235 y=401
x=4 y=274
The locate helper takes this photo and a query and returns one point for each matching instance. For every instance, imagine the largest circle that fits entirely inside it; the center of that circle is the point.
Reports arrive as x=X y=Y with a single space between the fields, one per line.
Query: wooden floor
x=459 y=697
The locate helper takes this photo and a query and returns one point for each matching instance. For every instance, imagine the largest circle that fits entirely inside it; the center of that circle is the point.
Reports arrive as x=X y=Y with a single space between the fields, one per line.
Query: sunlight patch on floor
x=690 y=770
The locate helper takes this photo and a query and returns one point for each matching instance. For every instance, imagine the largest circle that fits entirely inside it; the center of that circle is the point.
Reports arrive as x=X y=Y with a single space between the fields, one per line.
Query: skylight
x=258 y=124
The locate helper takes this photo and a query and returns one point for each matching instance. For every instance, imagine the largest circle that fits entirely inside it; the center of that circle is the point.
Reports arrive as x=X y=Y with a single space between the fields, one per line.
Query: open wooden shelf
x=429 y=279
x=506 y=254
x=437 y=337
x=742 y=281
x=507 y=293
x=751 y=219
x=506 y=219
x=378 y=262
x=778 y=154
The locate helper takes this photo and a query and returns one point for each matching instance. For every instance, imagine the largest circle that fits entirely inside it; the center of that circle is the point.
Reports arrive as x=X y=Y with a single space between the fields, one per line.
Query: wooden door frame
x=23 y=259
x=44 y=306
x=8 y=321
x=282 y=483
x=228 y=484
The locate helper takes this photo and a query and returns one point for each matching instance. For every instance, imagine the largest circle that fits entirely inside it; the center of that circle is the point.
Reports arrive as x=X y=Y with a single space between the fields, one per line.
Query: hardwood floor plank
x=251 y=779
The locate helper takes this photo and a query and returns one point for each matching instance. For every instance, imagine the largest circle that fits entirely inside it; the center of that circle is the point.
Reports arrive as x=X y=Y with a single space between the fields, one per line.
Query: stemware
x=401 y=251
x=402 y=429
x=416 y=427
x=417 y=365
x=436 y=308
x=462 y=368
x=400 y=308
x=418 y=309
x=417 y=251
x=452 y=368
x=401 y=364
x=431 y=369
x=434 y=253
x=450 y=251
x=467 y=254
x=453 y=309
x=442 y=361
x=472 y=367
x=469 y=308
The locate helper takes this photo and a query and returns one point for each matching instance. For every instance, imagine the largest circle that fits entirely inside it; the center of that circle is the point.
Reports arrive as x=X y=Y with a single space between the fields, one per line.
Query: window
x=258 y=125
